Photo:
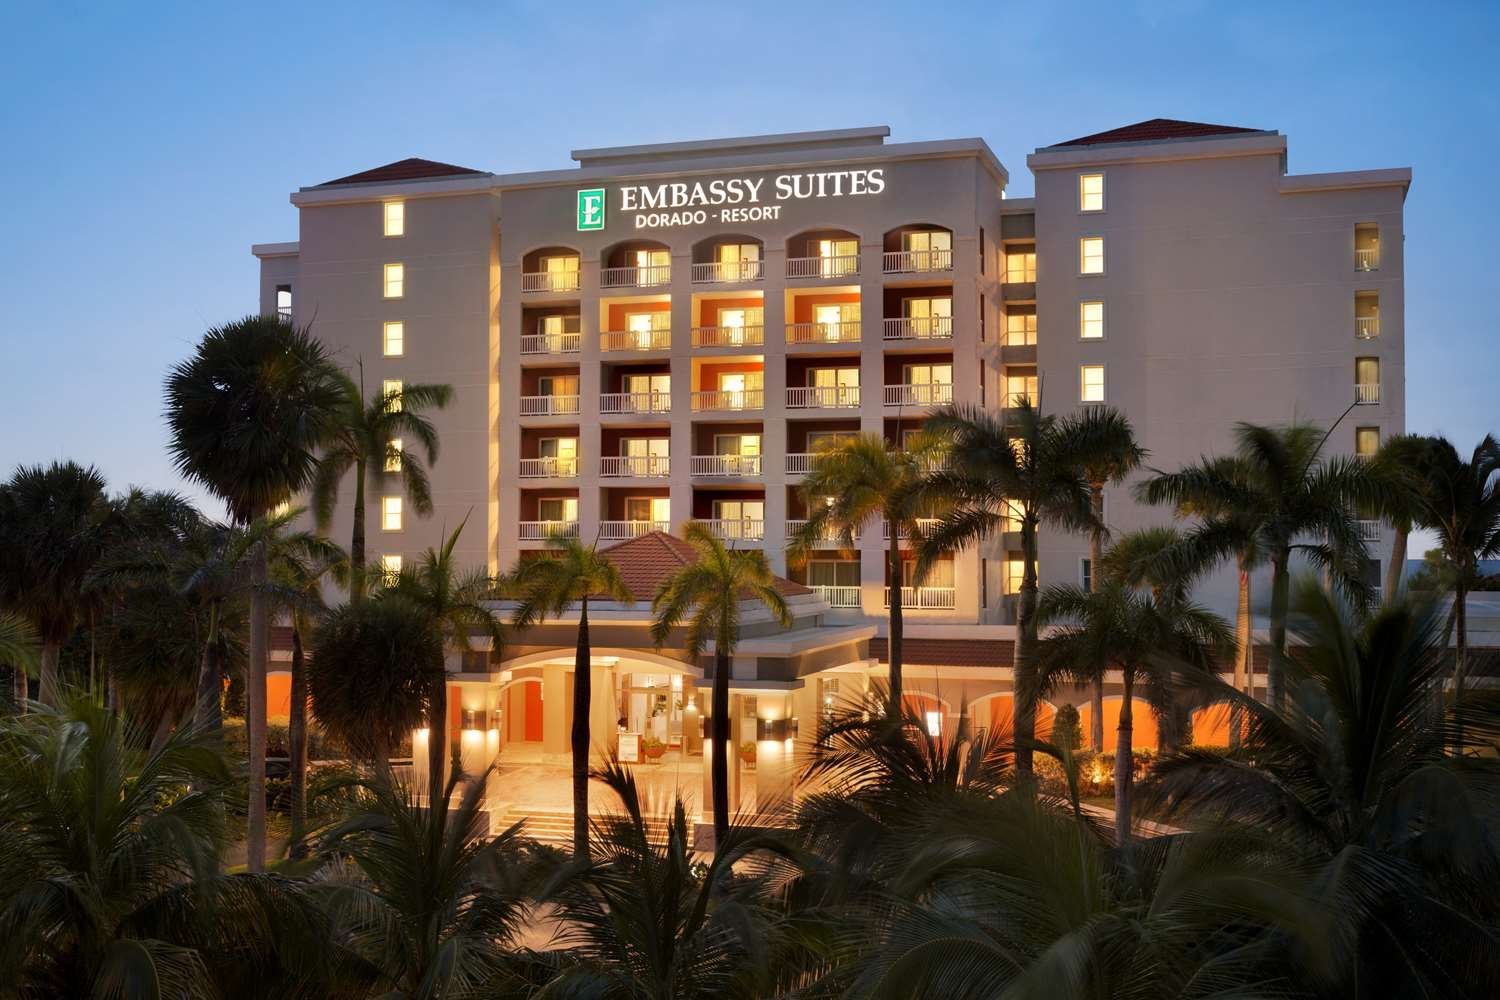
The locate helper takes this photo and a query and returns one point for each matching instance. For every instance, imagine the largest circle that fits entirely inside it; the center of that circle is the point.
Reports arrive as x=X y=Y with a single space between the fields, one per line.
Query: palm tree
x=706 y=594
x=424 y=897
x=248 y=413
x=1396 y=466
x=1151 y=640
x=1026 y=467
x=374 y=665
x=371 y=437
x=453 y=599
x=54 y=522
x=570 y=573
x=860 y=483
x=1350 y=779
x=1276 y=489
x=18 y=650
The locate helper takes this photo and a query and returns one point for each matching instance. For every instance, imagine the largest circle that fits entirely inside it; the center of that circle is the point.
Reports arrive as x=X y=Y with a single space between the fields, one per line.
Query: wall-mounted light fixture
x=775 y=729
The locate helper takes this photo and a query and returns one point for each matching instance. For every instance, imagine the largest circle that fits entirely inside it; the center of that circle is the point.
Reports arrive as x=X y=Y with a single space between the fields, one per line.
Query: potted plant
x=747 y=752
x=653 y=748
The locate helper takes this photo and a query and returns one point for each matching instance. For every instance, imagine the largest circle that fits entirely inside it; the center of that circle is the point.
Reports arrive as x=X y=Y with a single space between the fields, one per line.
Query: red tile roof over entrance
x=1156 y=130
x=949 y=652
x=410 y=169
x=646 y=561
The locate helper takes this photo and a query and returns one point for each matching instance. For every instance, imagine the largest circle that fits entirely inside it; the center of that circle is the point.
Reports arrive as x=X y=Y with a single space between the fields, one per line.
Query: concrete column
x=603 y=715
x=775 y=773
x=555 y=694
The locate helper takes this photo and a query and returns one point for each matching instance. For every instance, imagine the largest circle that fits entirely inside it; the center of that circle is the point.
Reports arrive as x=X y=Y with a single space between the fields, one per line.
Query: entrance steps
x=555 y=826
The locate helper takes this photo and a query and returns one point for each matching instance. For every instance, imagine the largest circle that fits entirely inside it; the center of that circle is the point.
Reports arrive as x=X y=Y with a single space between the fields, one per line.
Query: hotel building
x=670 y=331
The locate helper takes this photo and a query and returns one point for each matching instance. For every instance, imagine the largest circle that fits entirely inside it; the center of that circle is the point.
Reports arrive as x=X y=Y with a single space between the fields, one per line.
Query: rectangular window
x=941 y=374
x=557 y=509
x=390 y=513
x=832 y=573
x=390 y=566
x=284 y=302
x=836 y=257
x=1015 y=570
x=648 y=509
x=395 y=218
x=394 y=344
x=818 y=440
x=1367 y=380
x=393 y=452
x=1090 y=192
x=1020 y=264
x=739 y=510
x=1020 y=326
x=1091 y=255
x=557 y=385
x=1091 y=320
x=1091 y=383
x=736 y=444
x=395 y=281
x=742 y=325
x=739 y=261
x=1086 y=573
x=391 y=390
x=1366 y=441
x=1022 y=387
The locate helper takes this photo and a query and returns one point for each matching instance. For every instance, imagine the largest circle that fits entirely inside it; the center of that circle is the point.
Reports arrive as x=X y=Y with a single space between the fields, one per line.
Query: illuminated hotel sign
x=724 y=200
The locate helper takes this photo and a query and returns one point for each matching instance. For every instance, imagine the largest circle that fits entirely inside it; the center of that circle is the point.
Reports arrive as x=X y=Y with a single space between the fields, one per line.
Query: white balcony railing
x=550 y=343
x=540 y=531
x=828 y=538
x=802 y=397
x=614 y=531
x=549 y=281
x=646 y=466
x=921 y=394
x=741 y=530
x=1367 y=392
x=635 y=340
x=822 y=267
x=635 y=402
x=635 y=277
x=549 y=406
x=726 y=465
x=729 y=399
x=919 y=328
x=715 y=272
x=1367 y=259
x=908 y=261
x=799 y=463
x=923 y=525
x=837 y=597
x=1369 y=531
x=549 y=468
x=1367 y=327
x=926 y=598
x=844 y=331
x=728 y=336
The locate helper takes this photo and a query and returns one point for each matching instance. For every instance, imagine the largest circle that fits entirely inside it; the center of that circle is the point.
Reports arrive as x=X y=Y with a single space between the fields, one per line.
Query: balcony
x=639 y=466
x=822 y=267
x=923 y=394
x=920 y=328
x=799 y=463
x=728 y=336
x=740 y=466
x=648 y=276
x=549 y=468
x=1367 y=259
x=926 y=598
x=635 y=340
x=541 y=531
x=551 y=343
x=727 y=272
x=828 y=538
x=1369 y=531
x=635 y=402
x=1367 y=393
x=829 y=397
x=549 y=281
x=837 y=597
x=1367 y=327
x=924 y=524
x=549 y=406
x=845 y=331
x=916 y=261
x=619 y=531
x=738 y=530
x=729 y=399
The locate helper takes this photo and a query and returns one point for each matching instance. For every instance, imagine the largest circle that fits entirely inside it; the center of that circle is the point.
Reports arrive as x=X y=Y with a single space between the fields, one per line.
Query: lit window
x=1090 y=192
x=390 y=566
x=1091 y=255
x=395 y=218
x=1091 y=383
x=393 y=455
x=395 y=281
x=557 y=510
x=1091 y=320
x=284 y=302
x=1020 y=264
x=1015 y=570
x=1020 y=327
x=1366 y=441
x=1022 y=388
x=395 y=339
x=1367 y=380
x=391 y=389
x=390 y=513
x=934 y=723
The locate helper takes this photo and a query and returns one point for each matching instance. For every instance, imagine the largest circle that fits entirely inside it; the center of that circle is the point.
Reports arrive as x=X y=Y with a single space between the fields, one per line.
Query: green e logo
x=590 y=209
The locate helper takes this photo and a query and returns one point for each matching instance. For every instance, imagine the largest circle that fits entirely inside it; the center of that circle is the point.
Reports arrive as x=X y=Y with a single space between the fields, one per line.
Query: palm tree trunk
x=1397 y=564
x=583 y=696
x=1096 y=699
x=357 y=538
x=719 y=720
x=296 y=738
x=437 y=724
x=208 y=710
x=1280 y=598
x=1460 y=656
x=1025 y=675
x=255 y=712
x=50 y=692
x=1124 y=760
x=1244 y=637
x=893 y=652
x=19 y=690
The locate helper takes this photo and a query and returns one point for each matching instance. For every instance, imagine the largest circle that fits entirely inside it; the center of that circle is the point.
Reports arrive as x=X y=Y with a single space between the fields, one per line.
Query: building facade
x=671 y=331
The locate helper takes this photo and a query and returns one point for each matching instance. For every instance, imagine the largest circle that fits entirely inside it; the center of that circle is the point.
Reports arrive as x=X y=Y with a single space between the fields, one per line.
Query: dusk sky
x=147 y=146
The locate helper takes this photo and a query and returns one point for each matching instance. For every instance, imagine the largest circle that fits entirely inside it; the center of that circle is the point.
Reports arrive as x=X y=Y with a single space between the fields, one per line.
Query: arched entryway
x=1143 y=727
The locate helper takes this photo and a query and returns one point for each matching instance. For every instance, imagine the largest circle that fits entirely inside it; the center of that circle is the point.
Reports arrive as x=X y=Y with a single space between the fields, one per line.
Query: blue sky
x=148 y=145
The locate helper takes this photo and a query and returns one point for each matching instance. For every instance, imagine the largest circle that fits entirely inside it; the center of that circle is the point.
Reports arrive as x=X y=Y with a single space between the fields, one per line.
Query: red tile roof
x=1155 y=130
x=410 y=169
x=949 y=652
x=646 y=561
